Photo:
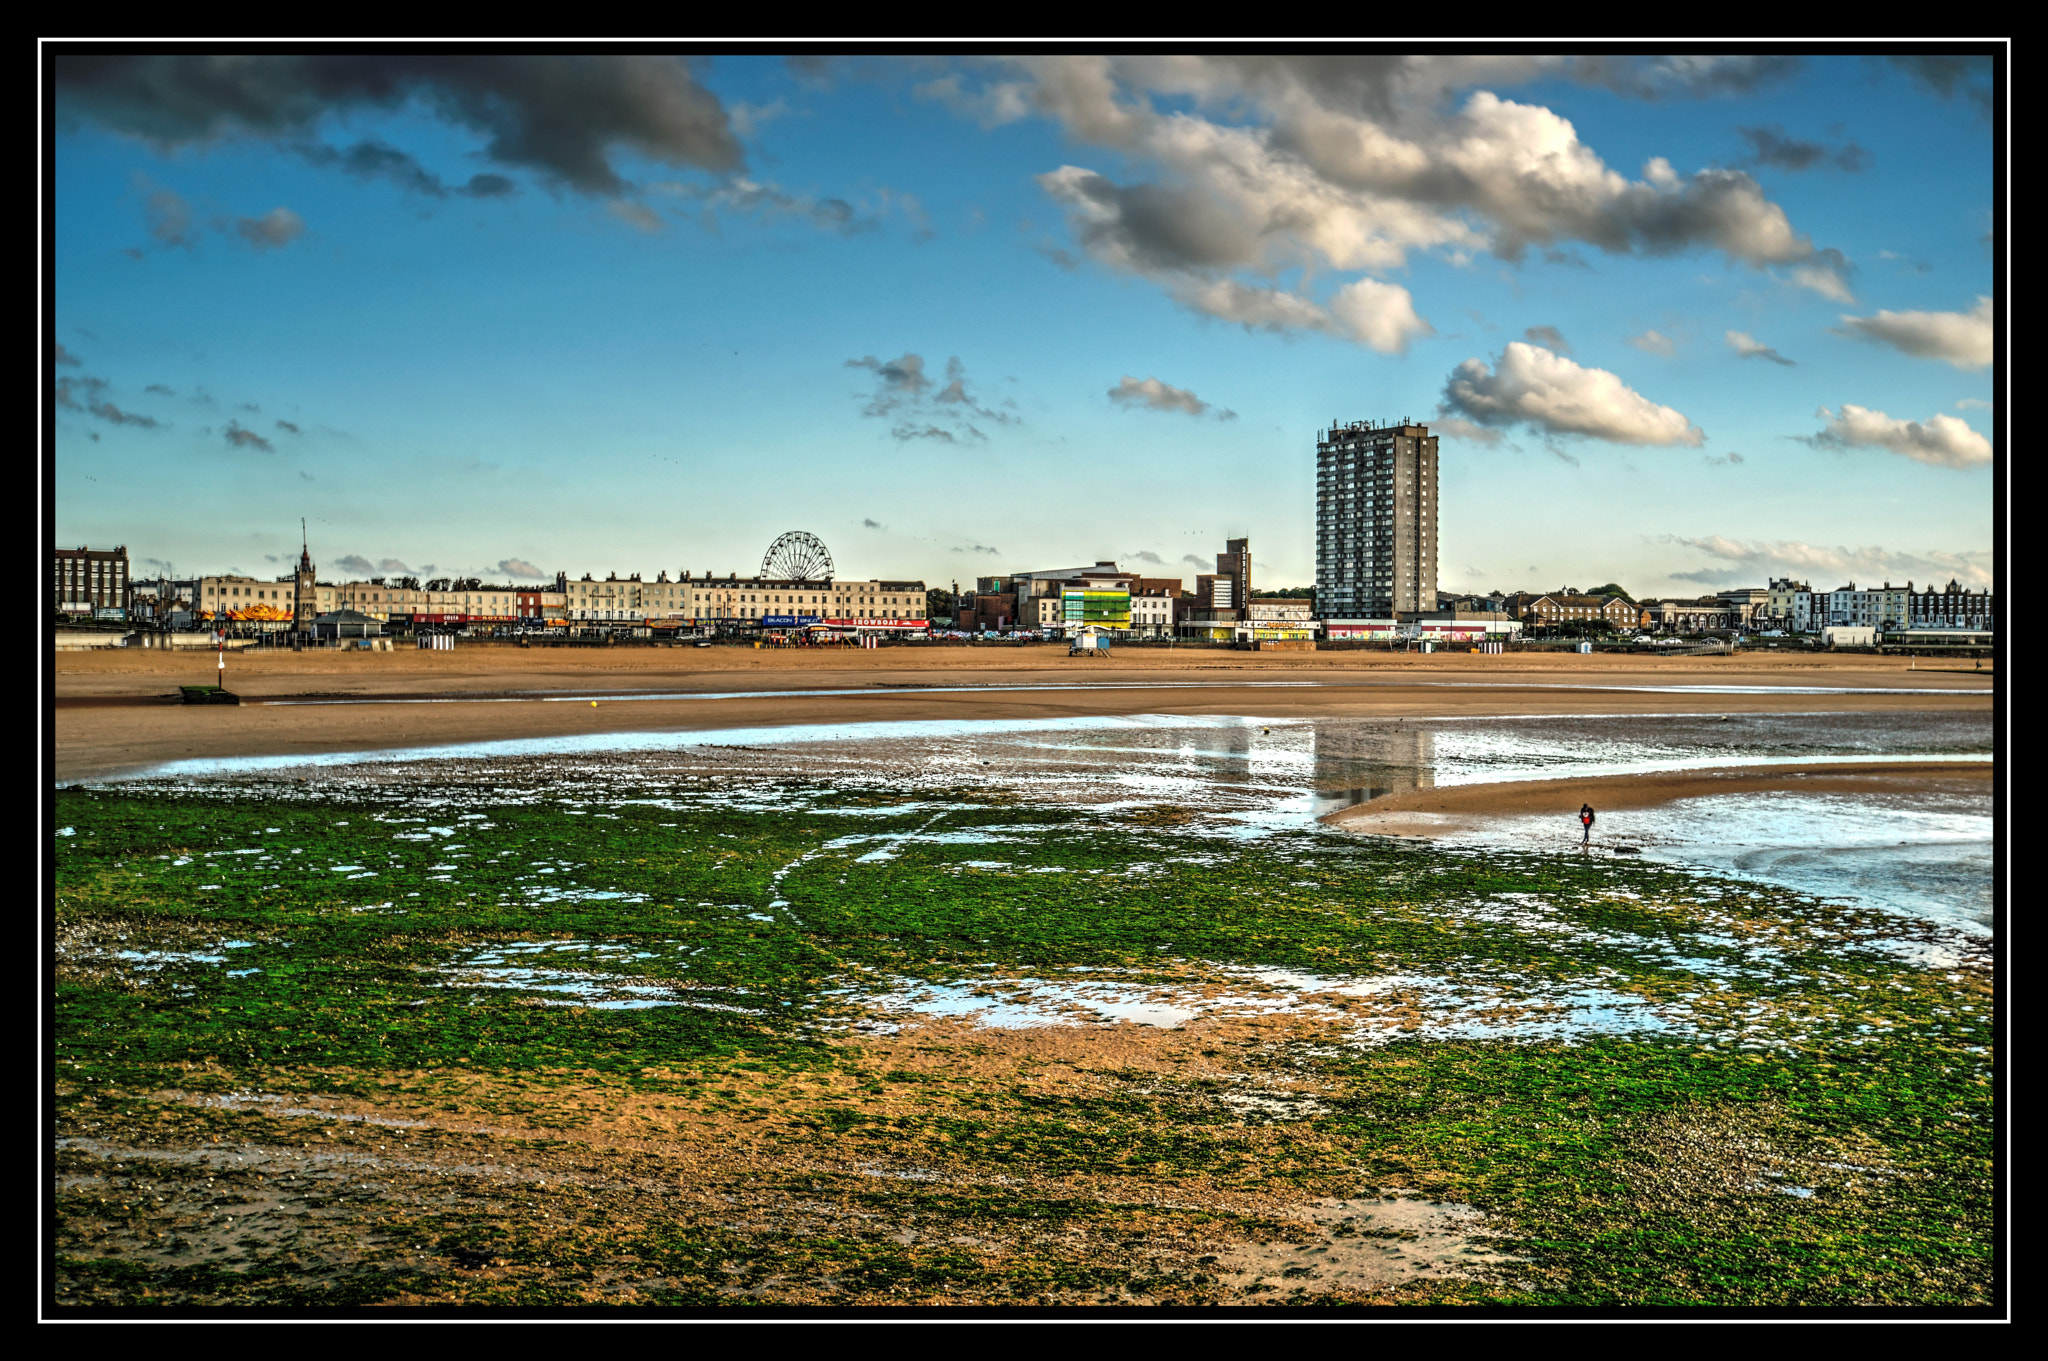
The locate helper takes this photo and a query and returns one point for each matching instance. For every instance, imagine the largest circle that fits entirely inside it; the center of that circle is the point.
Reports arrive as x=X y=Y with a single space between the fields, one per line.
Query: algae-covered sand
x=705 y=1032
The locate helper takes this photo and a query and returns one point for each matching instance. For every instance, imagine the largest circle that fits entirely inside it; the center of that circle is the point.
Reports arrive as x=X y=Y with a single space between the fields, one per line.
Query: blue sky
x=1682 y=322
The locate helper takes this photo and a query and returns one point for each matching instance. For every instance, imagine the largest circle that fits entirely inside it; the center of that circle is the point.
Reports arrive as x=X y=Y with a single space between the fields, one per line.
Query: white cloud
x=1749 y=347
x=1456 y=427
x=1826 y=568
x=1963 y=339
x=1153 y=395
x=1380 y=315
x=1945 y=441
x=1826 y=274
x=1555 y=395
x=1354 y=163
x=1264 y=309
x=1376 y=172
x=1653 y=342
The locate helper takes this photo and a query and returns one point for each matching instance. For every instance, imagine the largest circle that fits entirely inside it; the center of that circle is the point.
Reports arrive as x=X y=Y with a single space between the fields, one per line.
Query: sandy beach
x=1464 y=808
x=116 y=712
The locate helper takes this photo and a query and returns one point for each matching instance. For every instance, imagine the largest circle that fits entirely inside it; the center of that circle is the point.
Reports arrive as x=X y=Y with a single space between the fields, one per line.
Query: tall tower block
x=1376 y=507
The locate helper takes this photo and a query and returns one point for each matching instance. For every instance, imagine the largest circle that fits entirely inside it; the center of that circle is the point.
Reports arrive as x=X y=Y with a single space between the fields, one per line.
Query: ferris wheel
x=797 y=556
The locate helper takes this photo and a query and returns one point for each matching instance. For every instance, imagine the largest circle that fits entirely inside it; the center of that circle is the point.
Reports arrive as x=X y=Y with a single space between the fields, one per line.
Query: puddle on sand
x=1365 y=1247
x=1369 y=1011
x=568 y=973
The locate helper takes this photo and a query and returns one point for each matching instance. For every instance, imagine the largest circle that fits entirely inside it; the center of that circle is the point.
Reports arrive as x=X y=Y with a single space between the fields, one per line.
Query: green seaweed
x=1631 y=1168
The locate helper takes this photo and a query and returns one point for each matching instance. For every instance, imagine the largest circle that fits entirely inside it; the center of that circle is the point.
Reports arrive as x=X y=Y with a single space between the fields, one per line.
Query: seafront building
x=1376 y=520
x=90 y=581
x=1952 y=607
x=872 y=606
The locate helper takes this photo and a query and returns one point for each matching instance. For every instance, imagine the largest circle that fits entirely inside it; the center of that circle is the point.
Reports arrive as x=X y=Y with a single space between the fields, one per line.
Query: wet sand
x=115 y=712
x=1456 y=809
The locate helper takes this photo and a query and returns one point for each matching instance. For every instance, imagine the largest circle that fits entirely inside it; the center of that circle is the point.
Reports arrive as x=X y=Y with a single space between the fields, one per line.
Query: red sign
x=878 y=623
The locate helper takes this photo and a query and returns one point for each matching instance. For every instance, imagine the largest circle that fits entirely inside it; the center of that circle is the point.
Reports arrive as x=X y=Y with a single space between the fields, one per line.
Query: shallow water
x=1922 y=855
x=1249 y=777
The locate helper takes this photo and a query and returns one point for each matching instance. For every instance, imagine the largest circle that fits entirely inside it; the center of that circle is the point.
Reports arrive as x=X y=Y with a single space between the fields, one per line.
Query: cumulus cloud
x=1749 y=347
x=1655 y=342
x=1146 y=555
x=247 y=439
x=276 y=228
x=872 y=524
x=1771 y=146
x=1825 y=568
x=1550 y=393
x=1549 y=337
x=564 y=117
x=64 y=358
x=1153 y=395
x=160 y=390
x=520 y=567
x=1942 y=440
x=1963 y=339
x=393 y=565
x=1260 y=164
x=355 y=563
x=288 y=427
x=1205 y=564
x=1379 y=315
x=1723 y=460
x=904 y=396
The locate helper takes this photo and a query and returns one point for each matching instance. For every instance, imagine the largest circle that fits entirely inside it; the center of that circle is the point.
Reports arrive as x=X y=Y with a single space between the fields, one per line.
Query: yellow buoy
x=593 y=704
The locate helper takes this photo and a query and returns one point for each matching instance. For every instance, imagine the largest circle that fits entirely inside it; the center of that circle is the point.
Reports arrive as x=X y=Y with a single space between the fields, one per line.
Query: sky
x=1682 y=323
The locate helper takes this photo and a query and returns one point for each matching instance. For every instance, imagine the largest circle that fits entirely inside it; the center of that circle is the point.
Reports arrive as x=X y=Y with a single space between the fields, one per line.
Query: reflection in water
x=1254 y=776
x=1359 y=762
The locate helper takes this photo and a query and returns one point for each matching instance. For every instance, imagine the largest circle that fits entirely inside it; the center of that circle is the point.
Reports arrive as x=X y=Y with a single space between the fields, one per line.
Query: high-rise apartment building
x=1375 y=520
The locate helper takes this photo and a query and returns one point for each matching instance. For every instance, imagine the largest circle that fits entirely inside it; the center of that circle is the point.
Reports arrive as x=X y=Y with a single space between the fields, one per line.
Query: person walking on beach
x=1586 y=821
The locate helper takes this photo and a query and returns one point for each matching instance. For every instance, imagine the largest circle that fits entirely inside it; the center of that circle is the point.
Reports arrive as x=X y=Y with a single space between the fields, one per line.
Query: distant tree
x=408 y=583
x=939 y=601
x=1612 y=589
x=1287 y=593
x=467 y=584
x=438 y=584
x=1582 y=628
